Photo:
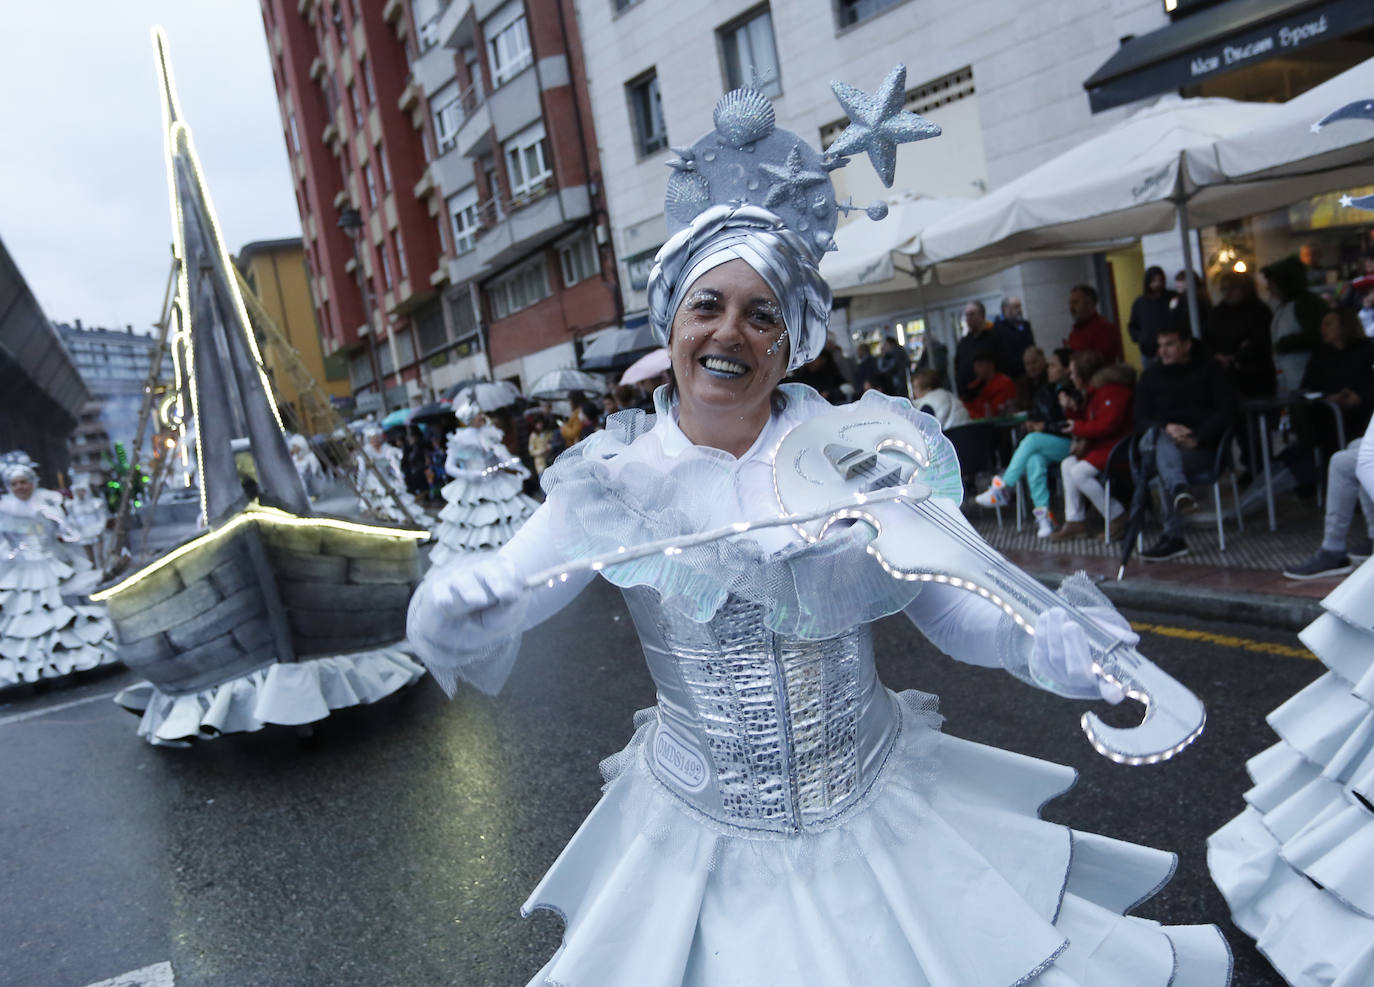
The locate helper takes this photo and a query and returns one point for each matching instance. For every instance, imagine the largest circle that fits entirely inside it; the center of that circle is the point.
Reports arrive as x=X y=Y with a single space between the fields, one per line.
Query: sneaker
x=1184 y=502
x=1165 y=548
x=1363 y=549
x=1071 y=529
x=1044 y=522
x=995 y=495
x=1321 y=565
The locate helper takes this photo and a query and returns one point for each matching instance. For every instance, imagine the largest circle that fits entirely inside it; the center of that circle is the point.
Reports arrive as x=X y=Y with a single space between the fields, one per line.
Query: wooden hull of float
x=222 y=606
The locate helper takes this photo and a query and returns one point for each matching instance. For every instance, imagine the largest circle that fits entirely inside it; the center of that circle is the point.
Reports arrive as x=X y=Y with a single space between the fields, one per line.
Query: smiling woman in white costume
x=779 y=816
x=41 y=636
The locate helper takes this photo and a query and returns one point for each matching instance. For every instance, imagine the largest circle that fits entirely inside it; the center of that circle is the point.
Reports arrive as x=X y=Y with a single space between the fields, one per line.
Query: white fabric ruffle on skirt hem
x=482 y=512
x=943 y=881
x=1297 y=865
x=283 y=693
x=41 y=635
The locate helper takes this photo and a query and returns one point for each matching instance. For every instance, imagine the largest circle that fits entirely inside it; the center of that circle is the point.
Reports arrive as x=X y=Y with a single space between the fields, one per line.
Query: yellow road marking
x=1225 y=640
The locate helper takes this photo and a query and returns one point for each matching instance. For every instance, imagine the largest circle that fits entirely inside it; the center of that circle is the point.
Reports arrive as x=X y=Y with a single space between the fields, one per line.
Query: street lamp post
x=351 y=222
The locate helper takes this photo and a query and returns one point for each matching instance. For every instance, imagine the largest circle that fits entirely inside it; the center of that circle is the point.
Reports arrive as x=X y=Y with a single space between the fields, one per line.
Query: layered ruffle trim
x=621 y=487
x=472 y=486
x=940 y=876
x=26 y=572
x=1297 y=866
x=42 y=637
x=286 y=694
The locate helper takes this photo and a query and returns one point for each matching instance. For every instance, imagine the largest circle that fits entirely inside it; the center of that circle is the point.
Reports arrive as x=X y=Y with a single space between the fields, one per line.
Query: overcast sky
x=83 y=187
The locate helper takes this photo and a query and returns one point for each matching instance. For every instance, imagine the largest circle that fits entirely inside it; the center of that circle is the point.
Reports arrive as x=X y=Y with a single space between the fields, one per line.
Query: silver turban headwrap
x=759 y=238
x=14 y=471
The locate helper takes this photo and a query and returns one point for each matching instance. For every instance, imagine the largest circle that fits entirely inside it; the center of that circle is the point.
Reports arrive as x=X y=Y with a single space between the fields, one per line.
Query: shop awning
x=863 y=263
x=1217 y=40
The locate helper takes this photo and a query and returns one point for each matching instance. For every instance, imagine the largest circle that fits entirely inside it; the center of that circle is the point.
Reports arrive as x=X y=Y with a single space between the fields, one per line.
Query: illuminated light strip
x=261 y=513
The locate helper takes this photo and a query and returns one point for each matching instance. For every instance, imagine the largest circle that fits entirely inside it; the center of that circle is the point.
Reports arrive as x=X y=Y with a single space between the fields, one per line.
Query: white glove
x=485 y=593
x=1060 y=653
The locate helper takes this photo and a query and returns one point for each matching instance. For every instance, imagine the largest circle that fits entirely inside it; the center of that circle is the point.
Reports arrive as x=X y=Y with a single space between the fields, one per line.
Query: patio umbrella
x=432 y=412
x=867 y=260
x=557 y=384
x=487 y=395
x=398 y=417
x=649 y=365
x=617 y=348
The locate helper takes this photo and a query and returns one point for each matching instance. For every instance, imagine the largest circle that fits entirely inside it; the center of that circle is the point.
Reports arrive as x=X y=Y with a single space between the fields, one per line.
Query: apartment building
x=372 y=246
x=497 y=91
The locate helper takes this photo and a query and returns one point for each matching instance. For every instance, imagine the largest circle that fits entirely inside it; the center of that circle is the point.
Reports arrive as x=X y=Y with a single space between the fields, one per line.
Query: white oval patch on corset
x=684 y=765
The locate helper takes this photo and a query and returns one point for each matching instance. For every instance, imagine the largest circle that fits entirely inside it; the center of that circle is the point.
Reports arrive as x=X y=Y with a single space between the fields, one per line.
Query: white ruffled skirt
x=942 y=875
x=480 y=513
x=41 y=636
x=287 y=694
x=1297 y=866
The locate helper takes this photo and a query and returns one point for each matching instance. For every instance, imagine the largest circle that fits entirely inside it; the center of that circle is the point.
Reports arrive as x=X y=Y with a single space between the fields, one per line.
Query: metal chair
x=1121 y=456
x=1222 y=465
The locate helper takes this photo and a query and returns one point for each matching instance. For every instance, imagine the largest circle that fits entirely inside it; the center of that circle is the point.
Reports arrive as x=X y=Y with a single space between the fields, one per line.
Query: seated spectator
x=990 y=393
x=934 y=400
x=1343 y=491
x=1183 y=405
x=1033 y=381
x=1097 y=421
x=1341 y=369
x=1091 y=329
x=1043 y=446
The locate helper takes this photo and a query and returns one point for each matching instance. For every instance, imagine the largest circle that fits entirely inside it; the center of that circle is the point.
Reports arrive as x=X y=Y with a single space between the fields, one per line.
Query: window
x=638 y=268
x=853 y=11
x=401 y=259
x=527 y=161
x=386 y=168
x=353 y=100
x=519 y=290
x=646 y=112
x=359 y=370
x=371 y=186
x=386 y=264
x=508 y=42
x=463 y=208
x=751 y=57
x=578 y=259
x=295 y=134
x=430 y=328
x=448 y=115
x=369 y=86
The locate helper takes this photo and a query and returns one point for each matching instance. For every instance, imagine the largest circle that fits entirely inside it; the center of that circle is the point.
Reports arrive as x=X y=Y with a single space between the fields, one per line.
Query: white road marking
x=35 y=713
x=157 y=975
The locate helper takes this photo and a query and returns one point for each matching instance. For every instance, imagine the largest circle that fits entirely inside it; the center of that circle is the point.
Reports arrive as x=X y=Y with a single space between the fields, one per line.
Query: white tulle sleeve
x=480 y=647
x=1364 y=468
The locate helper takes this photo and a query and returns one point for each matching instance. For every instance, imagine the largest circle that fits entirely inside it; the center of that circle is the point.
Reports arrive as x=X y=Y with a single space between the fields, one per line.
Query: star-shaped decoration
x=789 y=180
x=1346 y=202
x=878 y=123
x=1316 y=128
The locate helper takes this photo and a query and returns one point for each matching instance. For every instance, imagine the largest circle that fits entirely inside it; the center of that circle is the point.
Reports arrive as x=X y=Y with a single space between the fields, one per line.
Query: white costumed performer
x=380 y=500
x=1297 y=865
x=307 y=463
x=88 y=515
x=780 y=817
x=485 y=504
x=41 y=636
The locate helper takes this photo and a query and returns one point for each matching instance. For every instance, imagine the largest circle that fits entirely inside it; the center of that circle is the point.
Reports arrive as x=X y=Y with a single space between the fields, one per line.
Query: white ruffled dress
x=875 y=849
x=484 y=502
x=41 y=635
x=1297 y=866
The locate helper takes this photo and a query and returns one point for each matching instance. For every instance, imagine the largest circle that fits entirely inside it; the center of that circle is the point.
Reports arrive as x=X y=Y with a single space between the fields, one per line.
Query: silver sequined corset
x=758 y=730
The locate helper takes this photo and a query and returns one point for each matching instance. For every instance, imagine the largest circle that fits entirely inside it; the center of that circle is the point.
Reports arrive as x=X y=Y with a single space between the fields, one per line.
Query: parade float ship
x=272 y=613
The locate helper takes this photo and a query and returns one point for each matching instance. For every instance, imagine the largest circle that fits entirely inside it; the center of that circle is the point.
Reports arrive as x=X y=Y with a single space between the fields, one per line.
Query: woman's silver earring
x=777 y=343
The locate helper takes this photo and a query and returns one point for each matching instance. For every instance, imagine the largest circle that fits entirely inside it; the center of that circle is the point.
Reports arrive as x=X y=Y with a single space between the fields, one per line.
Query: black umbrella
x=435 y=411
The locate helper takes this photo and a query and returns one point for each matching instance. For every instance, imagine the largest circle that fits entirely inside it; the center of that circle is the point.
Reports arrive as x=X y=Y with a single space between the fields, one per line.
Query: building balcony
x=426 y=183
x=393 y=10
x=474 y=134
x=331 y=133
x=317 y=68
x=528 y=223
x=303 y=7
x=434 y=69
x=516 y=104
x=465 y=267
x=410 y=95
x=340 y=199
x=456 y=24
x=451 y=172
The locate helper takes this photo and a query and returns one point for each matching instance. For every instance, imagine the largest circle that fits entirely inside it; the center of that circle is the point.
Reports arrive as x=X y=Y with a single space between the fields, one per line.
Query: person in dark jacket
x=1237 y=337
x=1148 y=313
x=1340 y=370
x=1184 y=404
x=1012 y=330
x=1178 y=306
x=1296 y=326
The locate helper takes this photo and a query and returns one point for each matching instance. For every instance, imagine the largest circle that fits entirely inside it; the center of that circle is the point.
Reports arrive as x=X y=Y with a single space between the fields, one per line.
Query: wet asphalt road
x=396 y=845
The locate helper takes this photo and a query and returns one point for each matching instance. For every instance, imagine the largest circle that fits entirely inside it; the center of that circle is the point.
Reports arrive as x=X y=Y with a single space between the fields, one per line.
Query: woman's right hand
x=483 y=592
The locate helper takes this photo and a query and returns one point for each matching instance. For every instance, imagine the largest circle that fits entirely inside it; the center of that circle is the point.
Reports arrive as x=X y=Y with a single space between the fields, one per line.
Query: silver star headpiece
x=747 y=160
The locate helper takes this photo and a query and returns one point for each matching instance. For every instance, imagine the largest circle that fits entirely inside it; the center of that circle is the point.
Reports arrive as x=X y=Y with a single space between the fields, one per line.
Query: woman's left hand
x=1061 y=654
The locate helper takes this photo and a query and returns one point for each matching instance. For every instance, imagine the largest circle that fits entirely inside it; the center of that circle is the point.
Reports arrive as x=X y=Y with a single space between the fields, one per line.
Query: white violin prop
x=864 y=463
